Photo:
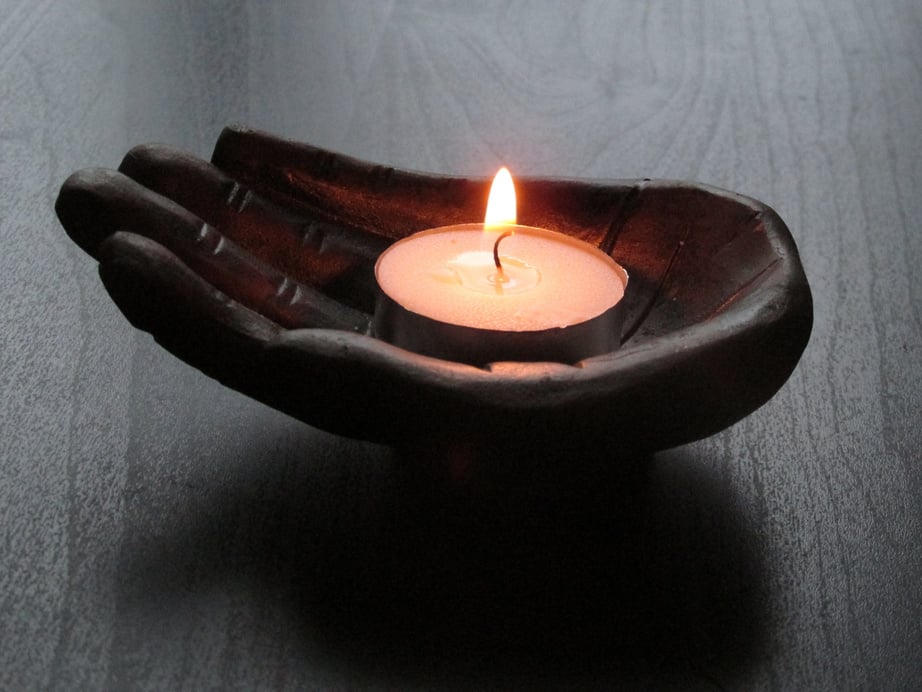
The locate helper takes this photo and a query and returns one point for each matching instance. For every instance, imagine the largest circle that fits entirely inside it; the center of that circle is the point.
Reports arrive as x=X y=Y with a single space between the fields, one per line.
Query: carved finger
x=186 y=315
x=94 y=204
x=226 y=340
x=338 y=261
x=396 y=203
x=376 y=199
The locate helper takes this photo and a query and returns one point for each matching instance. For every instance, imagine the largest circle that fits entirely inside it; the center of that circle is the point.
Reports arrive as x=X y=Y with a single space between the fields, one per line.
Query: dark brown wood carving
x=257 y=269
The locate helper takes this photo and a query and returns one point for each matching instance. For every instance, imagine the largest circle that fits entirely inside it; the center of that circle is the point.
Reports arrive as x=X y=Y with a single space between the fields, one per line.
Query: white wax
x=551 y=280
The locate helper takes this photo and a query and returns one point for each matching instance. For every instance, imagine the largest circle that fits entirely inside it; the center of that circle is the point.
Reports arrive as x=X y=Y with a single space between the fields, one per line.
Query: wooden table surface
x=158 y=531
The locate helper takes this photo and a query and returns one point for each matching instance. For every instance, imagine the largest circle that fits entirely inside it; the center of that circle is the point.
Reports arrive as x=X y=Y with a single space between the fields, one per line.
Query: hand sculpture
x=258 y=269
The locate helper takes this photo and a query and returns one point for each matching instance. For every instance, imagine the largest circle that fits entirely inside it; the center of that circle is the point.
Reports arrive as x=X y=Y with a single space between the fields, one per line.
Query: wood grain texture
x=158 y=531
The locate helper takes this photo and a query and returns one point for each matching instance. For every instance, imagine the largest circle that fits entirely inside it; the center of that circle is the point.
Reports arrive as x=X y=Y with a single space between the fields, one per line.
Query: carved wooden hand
x=257 y=269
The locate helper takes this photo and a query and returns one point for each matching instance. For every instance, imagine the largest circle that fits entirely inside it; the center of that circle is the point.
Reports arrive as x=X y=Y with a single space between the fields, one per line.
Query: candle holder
x=272 y=296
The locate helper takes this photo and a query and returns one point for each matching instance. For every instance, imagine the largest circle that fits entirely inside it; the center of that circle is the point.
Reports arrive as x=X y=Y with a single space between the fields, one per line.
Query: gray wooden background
x=160 y=532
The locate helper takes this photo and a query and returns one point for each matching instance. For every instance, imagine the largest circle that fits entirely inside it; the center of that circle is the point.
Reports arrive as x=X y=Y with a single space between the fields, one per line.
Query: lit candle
x=479 y=293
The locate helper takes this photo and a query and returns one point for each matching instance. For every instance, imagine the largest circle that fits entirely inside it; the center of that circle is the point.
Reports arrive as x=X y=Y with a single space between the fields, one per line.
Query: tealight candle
x=480 y=293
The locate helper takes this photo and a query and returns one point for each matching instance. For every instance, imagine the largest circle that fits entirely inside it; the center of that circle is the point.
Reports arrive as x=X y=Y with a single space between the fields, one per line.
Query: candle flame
x=501 y=204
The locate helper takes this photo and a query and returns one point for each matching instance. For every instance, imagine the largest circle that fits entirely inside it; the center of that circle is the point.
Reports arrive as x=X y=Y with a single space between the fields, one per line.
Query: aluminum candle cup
x=507 y=293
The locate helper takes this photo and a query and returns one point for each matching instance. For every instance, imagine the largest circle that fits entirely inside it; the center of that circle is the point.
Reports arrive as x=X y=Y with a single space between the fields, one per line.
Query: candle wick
x=499 y=265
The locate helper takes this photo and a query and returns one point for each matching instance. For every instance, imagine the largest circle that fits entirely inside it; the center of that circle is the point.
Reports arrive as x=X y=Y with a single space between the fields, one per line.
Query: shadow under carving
x=589 y=569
